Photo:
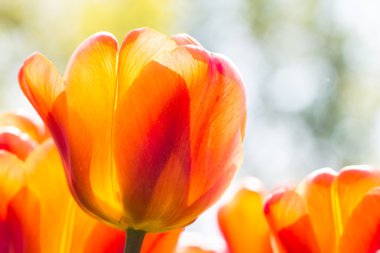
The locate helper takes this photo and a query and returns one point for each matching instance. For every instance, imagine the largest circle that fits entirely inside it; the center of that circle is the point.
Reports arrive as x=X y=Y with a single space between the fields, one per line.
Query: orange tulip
x=37 y=211
x=242 y=220
x=150 y=133
x=15 y=146
x=329 y=212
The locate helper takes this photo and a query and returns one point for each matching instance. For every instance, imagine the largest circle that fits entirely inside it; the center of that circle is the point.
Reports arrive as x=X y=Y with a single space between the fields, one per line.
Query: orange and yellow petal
x=41 y=83
x=216 y=137
x=242 y=221
x=154 y=140
x=12 y=176
x=23 y=219
x=139 y=47
x=362 y=230
x=287 y=217
x=217 y=106
x=91 y=74
x=47 y=182
x=317 y=192
x=351 y=185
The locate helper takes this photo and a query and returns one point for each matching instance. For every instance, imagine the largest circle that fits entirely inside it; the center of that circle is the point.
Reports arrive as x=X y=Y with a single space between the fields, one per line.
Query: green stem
x=134 y=240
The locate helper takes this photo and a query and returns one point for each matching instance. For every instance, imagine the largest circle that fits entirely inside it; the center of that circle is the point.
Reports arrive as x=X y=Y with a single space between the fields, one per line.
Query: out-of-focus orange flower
x=329 y=212
x=37 y=211
x=150 y=133
x=18 y=137
x=242 y=220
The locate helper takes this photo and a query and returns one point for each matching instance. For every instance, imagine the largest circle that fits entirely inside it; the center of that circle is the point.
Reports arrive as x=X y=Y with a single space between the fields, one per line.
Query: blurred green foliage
x=55 y=28
x=340 y=117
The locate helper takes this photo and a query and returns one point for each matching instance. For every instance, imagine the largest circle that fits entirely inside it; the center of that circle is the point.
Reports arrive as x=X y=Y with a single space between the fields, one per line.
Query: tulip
x=328 y=212
x=242 y=220
x=150 y=134
x=37 y=211
x=15 y=146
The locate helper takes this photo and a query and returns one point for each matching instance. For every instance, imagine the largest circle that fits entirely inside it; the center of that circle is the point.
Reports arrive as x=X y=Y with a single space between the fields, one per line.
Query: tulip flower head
x=150 y=133
x=328 y=212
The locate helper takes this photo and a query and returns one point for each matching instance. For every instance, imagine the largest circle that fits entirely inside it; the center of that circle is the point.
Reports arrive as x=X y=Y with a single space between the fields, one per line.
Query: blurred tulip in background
x=328 y=212
x=37 y=211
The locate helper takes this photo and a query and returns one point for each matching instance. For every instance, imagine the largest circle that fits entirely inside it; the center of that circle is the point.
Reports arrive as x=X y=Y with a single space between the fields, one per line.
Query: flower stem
x=134 y=240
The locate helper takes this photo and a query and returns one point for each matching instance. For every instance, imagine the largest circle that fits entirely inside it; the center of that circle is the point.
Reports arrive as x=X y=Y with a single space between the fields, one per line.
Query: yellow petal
x=91 y=96
x=242 y=221
x=63 y=225
x=139 y=47
x=41 y=83
x=317 y=193
x=12 y=173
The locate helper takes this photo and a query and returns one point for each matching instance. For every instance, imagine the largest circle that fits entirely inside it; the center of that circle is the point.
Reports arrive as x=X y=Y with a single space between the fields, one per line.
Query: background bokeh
x=311 y=69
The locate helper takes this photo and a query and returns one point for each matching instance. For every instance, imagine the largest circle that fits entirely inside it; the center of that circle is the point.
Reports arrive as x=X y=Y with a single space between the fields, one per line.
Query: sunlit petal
x=362 y=230
x=47 y=182
x=243 y=223
x=352 y=184
x=317 y=192
x=217 y=106
x=154 y=138
x=11 y=178
x=91 y=74
x=24 y=232
x=139 y=47
x=287 y=216
x=41 y=83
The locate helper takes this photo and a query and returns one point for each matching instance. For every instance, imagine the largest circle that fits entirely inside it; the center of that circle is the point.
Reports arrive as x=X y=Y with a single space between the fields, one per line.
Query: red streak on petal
x=299 y=237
